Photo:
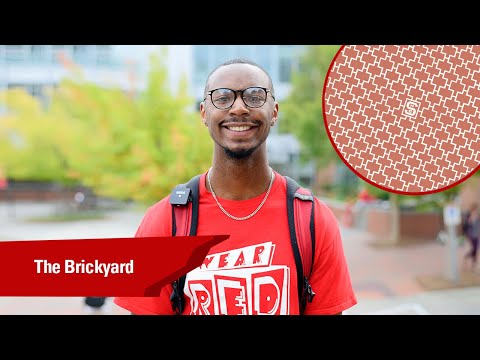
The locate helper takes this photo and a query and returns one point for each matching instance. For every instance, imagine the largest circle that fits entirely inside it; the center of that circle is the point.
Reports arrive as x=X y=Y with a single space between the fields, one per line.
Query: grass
x=69 y=216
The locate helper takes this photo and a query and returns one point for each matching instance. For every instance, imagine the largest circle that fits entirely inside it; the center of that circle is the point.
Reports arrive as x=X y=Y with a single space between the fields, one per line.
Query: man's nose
x=238 y=105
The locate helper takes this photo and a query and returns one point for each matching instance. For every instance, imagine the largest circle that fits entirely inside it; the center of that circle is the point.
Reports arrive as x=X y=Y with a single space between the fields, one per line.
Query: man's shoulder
x=324 y=211
x=164 y=203
x=157 y=219
x=159 y=206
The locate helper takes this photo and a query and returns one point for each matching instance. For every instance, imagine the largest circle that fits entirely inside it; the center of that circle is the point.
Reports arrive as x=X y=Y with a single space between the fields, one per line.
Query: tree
x=119 y=145
x=29 y=150
x=302 y=112
x=302 y=115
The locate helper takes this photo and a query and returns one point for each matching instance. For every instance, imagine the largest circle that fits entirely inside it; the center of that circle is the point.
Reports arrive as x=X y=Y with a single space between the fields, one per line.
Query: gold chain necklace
x=244 y=217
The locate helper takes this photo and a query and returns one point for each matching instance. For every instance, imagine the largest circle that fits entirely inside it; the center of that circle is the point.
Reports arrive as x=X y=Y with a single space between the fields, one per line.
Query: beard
x=239 y=154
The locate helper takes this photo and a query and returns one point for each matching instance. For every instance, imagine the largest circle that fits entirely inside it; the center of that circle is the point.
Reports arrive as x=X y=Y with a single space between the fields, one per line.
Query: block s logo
x=411 y=108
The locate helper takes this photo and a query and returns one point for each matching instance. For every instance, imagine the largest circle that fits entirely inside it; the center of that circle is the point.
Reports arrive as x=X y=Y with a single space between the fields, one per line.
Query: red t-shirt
x=253 y=271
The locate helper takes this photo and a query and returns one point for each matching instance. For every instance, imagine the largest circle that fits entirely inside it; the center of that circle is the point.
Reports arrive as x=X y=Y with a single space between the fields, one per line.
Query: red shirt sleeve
x=157 y=221
x=330 y=278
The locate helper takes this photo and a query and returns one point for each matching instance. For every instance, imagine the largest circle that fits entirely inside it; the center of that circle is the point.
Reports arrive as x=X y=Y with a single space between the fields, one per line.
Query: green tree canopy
x=121 y=146
x=29 y=147
x=301 y=112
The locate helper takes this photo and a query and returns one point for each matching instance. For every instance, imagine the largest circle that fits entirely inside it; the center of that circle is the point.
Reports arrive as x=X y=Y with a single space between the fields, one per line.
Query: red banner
x=108 y=267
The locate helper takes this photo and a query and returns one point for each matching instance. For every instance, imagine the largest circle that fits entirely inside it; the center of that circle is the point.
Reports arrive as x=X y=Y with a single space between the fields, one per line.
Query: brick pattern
x=406 y=118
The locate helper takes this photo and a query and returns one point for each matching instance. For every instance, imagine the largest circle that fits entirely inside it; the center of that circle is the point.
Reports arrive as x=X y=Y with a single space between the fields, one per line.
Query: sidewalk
x=387 y=280
x=408 y=279
x=459 y=301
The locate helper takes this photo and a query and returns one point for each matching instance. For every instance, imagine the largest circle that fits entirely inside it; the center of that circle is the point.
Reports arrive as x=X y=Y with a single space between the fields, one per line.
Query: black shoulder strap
x=184 y=200
x=300 y=211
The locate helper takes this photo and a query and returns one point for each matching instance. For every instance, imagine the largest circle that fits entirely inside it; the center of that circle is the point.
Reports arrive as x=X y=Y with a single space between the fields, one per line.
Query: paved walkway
x=387 y=280
x=409 y=279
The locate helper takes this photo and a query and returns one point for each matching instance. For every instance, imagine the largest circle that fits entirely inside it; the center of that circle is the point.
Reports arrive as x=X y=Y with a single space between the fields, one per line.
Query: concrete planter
x=413 y=226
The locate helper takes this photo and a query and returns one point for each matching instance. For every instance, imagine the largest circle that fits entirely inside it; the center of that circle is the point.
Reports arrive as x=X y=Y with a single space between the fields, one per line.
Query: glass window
x=285 y=70
x=14 y=53
x=16 y=86
x=57 y=51
x=200 y=67
x=36 y=90
x=38 y=53
x=222 y=52
x=80 y=49
x=103 y=54
x=80 y=53
x=246 y=51
x=263 y=55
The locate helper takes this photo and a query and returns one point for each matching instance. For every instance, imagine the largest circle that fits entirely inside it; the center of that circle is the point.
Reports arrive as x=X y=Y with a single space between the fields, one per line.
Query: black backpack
x=184 y=200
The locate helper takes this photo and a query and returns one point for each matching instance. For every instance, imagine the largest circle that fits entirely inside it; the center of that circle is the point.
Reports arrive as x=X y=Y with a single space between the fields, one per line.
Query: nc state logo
x=411 y=108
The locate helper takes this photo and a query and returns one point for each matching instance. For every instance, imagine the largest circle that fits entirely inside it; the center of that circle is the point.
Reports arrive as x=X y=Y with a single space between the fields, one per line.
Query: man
x=242 y=196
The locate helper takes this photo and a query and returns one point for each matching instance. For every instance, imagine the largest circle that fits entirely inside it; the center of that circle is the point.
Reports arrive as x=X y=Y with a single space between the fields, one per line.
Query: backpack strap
x=184 y=200
x=300 y=211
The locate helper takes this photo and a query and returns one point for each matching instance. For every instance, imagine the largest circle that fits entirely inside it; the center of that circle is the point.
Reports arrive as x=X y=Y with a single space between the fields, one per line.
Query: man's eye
x=254 y=99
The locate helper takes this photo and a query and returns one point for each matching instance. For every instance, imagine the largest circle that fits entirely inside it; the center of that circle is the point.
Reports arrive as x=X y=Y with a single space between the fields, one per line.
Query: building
x=38 y=67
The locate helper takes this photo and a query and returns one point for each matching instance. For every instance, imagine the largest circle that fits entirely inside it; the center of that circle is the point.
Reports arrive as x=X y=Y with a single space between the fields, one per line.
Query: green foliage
x=420 y=203
x=68 y=216
x=301 y=112
x=28 y=148
x=121 y=146
x=347 y=185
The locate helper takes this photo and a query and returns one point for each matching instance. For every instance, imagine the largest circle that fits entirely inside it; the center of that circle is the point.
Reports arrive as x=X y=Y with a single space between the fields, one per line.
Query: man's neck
x=239 y=180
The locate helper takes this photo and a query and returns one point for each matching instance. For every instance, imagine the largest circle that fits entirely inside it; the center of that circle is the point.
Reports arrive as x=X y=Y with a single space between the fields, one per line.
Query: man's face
x=240 y=129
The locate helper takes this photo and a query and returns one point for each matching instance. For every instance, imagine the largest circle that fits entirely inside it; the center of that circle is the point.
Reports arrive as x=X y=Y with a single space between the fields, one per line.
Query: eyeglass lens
x=252 y=97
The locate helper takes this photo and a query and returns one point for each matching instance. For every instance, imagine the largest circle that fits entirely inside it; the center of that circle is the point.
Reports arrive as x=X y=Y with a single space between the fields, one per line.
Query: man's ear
x=275 y=114
x=203 y=114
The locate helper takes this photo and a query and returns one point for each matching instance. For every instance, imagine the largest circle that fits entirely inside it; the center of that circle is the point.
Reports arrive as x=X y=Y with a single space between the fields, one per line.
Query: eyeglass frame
x=267 y=91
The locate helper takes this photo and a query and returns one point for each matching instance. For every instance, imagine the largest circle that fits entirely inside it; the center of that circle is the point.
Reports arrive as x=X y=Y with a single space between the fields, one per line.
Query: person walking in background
x=241 y=195
x=471 y=230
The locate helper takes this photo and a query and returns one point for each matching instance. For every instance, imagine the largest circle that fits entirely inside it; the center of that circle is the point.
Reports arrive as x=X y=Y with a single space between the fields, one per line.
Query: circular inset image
x=406 y=118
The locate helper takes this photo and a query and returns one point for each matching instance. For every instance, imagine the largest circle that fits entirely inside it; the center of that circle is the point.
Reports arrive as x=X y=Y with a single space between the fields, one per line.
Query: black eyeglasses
x=253 y=97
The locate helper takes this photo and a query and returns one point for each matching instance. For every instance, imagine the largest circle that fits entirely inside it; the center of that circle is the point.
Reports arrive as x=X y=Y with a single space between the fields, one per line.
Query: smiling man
x=253 y=271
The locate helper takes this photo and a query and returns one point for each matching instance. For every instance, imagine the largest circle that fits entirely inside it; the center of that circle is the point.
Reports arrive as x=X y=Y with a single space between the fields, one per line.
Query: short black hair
x=240 y=61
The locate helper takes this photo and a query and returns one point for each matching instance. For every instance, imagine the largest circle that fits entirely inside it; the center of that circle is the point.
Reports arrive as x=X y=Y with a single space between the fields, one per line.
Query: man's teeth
x=239 y=128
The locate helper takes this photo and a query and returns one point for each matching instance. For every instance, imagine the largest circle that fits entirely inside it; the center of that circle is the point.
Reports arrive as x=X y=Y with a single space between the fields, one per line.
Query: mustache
x=232 y=120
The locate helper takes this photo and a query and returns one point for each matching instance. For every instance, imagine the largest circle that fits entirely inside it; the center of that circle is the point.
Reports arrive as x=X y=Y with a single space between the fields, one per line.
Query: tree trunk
x=395 y=216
